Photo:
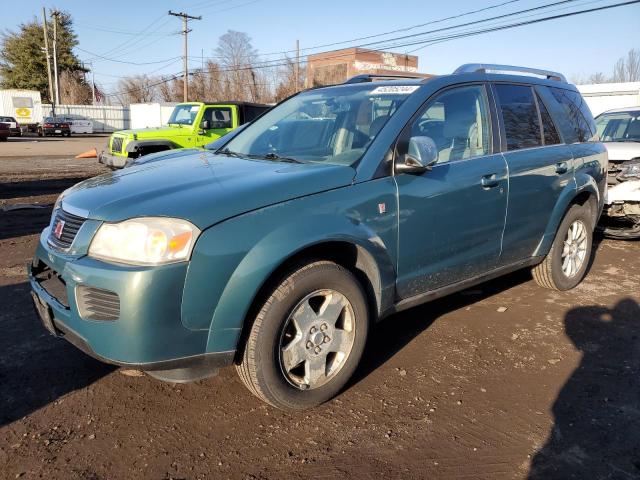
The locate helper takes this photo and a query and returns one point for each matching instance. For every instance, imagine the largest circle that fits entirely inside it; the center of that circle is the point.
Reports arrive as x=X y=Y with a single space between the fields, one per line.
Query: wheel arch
x=154 y=146
x=581 y=191
x=349 y=254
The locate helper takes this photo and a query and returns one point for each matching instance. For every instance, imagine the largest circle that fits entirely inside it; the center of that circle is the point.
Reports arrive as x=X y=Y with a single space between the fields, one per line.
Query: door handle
x=489 y=181
x=562 y=167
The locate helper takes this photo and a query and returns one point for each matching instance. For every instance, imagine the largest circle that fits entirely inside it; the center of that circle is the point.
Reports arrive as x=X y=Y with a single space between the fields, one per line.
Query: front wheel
x=308 y=337
x=566 y=264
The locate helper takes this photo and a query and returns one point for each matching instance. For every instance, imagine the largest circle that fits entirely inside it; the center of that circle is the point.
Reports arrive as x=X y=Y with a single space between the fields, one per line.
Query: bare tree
x=628 y=69
x=286 y=81
x=74 y=90
x=136 y=89
x=237 y=59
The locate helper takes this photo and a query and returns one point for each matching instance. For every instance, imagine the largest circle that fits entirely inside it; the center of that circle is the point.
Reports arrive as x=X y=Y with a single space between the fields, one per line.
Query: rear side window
x=520 y=116
x=578 y=113
x=549 y=132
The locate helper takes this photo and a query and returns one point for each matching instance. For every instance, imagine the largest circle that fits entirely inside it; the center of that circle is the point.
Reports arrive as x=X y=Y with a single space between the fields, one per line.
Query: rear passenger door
x=540 y=166
x=579 y=129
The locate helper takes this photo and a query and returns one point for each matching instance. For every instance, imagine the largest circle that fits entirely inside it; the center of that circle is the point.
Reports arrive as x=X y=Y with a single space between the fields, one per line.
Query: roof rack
x=484 y=67
x=370 y=77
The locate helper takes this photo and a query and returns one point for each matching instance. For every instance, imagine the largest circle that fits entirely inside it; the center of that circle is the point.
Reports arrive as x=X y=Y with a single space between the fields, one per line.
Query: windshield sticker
x=195 y=108
x=395 y=89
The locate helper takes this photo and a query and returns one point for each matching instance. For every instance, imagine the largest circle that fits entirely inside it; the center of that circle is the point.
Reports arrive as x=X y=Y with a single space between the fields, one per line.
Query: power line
x=449 y=37
x=125 y=61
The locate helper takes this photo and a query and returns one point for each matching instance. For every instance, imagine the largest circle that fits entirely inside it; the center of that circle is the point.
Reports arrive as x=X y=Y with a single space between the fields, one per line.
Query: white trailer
x=24 y=105
x=145 y=115
x=601 y=97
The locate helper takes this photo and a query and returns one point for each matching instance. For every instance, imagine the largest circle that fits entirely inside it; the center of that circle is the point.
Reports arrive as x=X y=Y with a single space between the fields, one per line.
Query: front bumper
x=148 y=334
x=113 y=161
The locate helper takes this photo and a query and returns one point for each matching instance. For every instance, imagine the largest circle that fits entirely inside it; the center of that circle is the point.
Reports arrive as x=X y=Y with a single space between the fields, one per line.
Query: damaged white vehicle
x=620 y=131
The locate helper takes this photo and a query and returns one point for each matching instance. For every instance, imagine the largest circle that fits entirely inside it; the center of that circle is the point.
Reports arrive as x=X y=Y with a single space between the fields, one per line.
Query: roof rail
x=484 y=67
x=370 y=77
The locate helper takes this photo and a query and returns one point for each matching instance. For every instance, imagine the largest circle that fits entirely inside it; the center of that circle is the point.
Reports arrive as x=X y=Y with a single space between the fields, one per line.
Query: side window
x=549 y=132
x=577 y=112
x=218 y=117
x=457 y=120
x=520 y=116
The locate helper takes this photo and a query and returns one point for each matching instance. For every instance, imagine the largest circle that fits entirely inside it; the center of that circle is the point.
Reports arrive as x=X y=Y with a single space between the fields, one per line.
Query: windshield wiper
x=230 y=153
x=275 y=156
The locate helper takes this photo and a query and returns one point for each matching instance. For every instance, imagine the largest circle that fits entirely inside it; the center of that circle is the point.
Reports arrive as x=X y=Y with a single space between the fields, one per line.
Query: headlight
x=630 y=169
x=145 y=241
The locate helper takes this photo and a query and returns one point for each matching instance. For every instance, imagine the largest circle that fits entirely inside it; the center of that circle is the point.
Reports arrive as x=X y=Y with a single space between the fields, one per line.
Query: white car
x=620 y=131
x=78 y=125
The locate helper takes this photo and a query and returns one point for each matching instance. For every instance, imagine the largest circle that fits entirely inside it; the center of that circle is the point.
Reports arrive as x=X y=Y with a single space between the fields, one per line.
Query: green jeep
x=192 y=124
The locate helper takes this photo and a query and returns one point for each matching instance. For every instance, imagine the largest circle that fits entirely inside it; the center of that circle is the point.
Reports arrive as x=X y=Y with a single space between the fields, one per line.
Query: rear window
x=577 y=112
x=520 y=116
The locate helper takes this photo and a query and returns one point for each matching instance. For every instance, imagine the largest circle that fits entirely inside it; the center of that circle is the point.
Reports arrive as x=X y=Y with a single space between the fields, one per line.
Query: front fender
x=232 y=260
x=271 y=252
x=581 y=183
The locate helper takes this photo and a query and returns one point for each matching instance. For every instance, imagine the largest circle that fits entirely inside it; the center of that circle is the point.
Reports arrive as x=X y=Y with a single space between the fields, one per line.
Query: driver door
x=219 y=120
x=451 y=217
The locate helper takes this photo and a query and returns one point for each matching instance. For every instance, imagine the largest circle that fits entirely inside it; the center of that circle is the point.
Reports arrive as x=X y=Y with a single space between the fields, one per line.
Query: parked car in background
x=4 y=132
x=77 y=125
x=278 y=249
x=620 y=131
x=52 y=126
x=14 y=127
x=192 y=124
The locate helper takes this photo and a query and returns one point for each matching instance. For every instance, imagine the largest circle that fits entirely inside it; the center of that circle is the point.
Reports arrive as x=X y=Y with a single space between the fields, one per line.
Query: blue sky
x=576 y=45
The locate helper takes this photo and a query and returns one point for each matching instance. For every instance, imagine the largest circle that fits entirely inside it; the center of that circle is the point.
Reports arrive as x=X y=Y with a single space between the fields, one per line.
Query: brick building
x=336 y=66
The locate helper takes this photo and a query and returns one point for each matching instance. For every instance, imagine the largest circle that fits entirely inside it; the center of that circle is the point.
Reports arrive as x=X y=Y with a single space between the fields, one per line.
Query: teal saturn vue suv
x=276 y=249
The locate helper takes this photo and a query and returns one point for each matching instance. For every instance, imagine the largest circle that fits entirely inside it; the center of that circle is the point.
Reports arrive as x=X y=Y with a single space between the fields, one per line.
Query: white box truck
x=23 y=105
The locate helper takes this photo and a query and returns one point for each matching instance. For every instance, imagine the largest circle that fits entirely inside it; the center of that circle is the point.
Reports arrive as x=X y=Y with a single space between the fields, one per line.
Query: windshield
x=333 y=125
x=184 y=114
x=619 y=127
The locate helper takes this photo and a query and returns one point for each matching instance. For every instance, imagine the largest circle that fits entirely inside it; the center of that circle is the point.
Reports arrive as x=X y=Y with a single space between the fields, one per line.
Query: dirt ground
x=458 y=388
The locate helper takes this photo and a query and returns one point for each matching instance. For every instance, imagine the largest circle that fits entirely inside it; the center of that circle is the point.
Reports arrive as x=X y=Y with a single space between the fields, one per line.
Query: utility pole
x=46 y=52
x=185 y=32
x=297 y=69
x=55 y=14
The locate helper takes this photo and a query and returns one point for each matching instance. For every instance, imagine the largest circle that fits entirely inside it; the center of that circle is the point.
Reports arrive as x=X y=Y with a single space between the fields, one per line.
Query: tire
x=550 y=272
x=285 y=329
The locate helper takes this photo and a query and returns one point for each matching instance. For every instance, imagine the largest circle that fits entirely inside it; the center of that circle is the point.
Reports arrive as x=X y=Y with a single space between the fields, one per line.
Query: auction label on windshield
x=397 y=89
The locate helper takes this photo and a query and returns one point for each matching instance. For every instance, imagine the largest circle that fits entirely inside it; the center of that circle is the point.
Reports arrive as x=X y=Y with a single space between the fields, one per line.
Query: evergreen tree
x=22 y=59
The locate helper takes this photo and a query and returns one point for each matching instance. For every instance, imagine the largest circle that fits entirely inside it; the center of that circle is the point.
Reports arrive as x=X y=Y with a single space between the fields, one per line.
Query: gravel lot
x=458 y=388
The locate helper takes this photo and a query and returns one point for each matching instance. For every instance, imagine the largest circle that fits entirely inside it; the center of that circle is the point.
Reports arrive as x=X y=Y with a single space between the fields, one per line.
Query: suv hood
x=201 y=187
x=157 y=132
x=622 y=151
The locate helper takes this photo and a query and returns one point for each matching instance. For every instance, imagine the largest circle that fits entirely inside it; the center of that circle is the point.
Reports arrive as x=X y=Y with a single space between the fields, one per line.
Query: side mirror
x=205 y=125
x=421 y=156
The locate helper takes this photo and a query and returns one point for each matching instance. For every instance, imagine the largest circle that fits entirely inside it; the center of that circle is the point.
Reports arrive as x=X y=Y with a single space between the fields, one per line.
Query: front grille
x=97 y=304
x=62 y=236
x=116 y=144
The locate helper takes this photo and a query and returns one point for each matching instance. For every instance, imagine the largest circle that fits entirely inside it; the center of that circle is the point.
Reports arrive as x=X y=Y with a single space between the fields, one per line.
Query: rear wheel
x=307 y=338
x=566 y=263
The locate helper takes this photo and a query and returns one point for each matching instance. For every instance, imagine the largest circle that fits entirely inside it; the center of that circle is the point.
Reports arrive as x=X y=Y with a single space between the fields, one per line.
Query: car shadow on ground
x=36 y=369
x=392 y=334
x=597 y=412
x=29 y=188
x=17 y=223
